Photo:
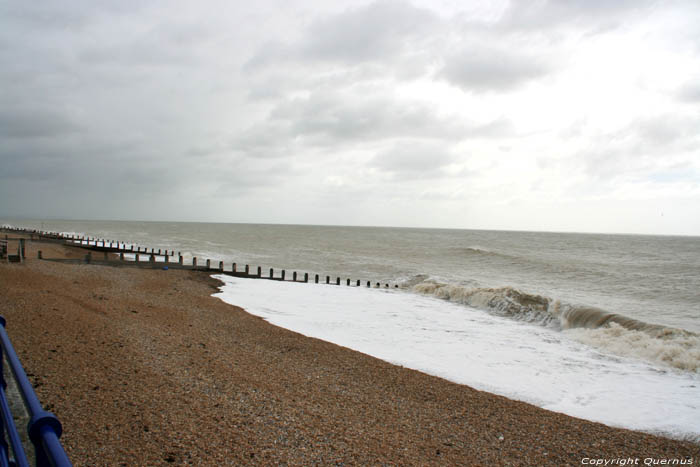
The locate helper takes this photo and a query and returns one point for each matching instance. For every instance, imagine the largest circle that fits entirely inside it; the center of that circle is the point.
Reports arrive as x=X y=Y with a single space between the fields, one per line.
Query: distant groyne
x=117 y=253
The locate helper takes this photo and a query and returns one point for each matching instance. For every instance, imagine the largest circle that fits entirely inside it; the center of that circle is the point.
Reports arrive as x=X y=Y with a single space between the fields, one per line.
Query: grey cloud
x=643 y=147
x=664 y=131
x=17 y=165
x=169 y=44
x=236 y=176
x=381 y=32
x=374 y=32
x=328 y=119
x=480 y=69
x=690 y=92
x=268 y=54
x=270 y=140
x=76 y=159
x=35 y=123
x=414 y=159
x=343 y=117
x=63 y=15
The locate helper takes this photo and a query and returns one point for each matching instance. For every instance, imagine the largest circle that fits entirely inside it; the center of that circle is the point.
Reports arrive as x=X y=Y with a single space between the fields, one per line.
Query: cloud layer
x=543 y=115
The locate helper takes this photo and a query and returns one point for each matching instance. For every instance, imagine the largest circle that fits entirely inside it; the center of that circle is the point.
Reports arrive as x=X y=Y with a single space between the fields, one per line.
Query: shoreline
x=145 y=366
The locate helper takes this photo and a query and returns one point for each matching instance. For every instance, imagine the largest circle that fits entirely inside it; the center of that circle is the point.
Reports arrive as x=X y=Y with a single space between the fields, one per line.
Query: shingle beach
x=145 y=367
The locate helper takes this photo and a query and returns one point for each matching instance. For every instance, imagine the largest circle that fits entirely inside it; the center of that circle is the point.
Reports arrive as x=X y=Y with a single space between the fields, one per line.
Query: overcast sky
x=565 y=115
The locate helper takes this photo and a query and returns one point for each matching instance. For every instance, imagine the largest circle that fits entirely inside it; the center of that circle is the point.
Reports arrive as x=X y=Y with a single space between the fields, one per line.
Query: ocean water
x=603 y=327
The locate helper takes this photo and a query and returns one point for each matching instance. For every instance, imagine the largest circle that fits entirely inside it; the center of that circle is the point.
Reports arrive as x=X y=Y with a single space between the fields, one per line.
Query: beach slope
x=145 y=367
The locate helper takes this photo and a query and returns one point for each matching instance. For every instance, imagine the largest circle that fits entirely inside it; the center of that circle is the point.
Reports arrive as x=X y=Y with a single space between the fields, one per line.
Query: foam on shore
x=536 y=364
x=608 y=331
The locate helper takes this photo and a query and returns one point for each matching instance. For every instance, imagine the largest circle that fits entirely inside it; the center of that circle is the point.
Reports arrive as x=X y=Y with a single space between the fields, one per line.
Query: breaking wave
x=614 y=333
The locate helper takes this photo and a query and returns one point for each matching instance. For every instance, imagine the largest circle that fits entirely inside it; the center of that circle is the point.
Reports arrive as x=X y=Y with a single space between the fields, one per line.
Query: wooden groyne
x=116 y=253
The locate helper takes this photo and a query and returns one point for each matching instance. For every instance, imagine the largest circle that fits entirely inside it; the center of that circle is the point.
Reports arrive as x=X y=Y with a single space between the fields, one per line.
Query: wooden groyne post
x=106 y=246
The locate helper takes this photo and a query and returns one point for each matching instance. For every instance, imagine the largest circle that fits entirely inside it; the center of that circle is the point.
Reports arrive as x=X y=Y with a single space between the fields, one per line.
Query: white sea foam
x=677 y=349
x=537 y=364
x=612 y=332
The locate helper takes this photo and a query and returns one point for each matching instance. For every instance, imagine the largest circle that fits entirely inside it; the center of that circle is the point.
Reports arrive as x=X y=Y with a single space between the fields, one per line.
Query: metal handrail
x=44 y=429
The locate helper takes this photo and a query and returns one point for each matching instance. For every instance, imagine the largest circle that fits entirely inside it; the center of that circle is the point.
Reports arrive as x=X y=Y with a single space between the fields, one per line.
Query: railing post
x=208 y=264
x=294 y=276
x=358 y=282
x=328 y=279
x=283 y=272
x=44 y=429
x=221 y=266
x=194 y=262
x=316 y=278
x=337 y=281
x=348 y=282
x=179 y=260
x=259 y=272
x=233 y=267
x=306 y=277
x=247 y=269
x=369 y=284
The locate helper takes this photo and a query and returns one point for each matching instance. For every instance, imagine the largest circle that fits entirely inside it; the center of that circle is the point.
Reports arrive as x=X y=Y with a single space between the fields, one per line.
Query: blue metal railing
x=44 y=429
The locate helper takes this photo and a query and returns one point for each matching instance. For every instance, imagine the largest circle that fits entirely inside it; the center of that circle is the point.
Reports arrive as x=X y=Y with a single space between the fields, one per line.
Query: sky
x=546 y=115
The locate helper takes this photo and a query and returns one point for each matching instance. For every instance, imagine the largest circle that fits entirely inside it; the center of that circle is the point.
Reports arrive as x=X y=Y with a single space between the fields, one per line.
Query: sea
x=598 y=326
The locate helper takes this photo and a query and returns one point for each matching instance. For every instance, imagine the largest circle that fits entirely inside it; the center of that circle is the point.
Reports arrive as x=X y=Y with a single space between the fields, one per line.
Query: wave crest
x=503 y=301
x=610 y=331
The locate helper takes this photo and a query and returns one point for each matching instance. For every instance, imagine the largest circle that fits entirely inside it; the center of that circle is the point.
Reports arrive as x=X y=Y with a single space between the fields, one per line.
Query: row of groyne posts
x=141 y=256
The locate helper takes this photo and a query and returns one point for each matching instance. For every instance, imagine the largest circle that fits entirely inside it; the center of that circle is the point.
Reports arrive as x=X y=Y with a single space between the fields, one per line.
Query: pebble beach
x=144 y=367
